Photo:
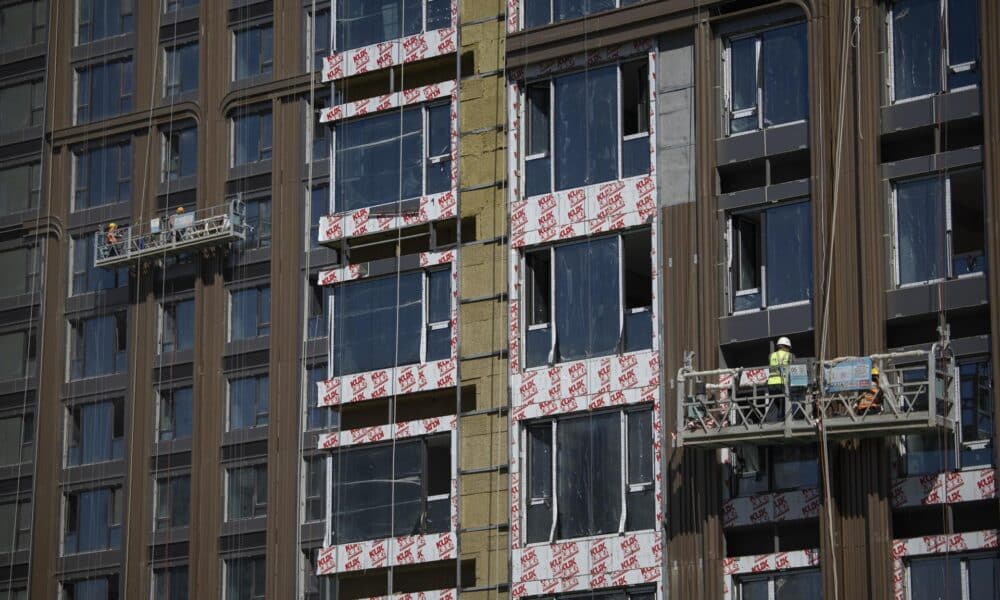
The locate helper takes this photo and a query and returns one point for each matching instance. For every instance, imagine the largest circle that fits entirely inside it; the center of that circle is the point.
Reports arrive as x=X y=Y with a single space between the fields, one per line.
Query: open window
x=98 y=346
x=392 y=489
x=770 y=256
x=175 y=413
x=589 y=474
x=767 y=78
x=587 y=127
x=96 y=432
x=392 y=156
x=588 y=298
x=763 y=469
x=939 y=227
x=394 y=320
x=919 y=50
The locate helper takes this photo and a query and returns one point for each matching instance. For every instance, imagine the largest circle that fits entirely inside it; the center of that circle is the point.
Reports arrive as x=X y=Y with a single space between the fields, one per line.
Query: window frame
x=314 y=60
x=26 y=441
x=171 y=54
x=552 y=20
x=552 y=501
x=76 y=437
x=265 y=68
x=262 y=319
x=168 y=308
x=770 y=577
x=113 y=518
x=77 y=337
x=126 y=22
x=21 y=525
x=768 y=467
x=254 y=562
x=264 y=152
x=963 y=558
x=261 y=400
x=308 y=497
x=83 y=110
x=163 y=489
x=81 y=161
x=258 y=508
x=166 y=410
x=34 y=185
x=36 y=107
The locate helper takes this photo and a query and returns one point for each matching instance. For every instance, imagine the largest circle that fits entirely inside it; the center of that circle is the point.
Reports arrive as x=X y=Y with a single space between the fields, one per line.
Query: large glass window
x=319 y=204
x=319 y=31
x=102 y=176
x=93 y=520
x=22 y=105
x=976 y=391
x=250 y=313
x=246 y=492
x=248 y=402
x=762 y=469
x=175 y=413
x=379 y=322
x=315 y=489
x=170 y=583
x=367 y=22
x=246 y=578
x=382 y=158
x=20 y=188
x=22 y=270
x=388 y=490
x=180 y=153
x=588 y=298
x=99 y=19
x=258 y=219
x=86 y=276
x=170 y=6
x=940 y=227
x=23 y=24
x=587 y=127
x=17 y=354
x=767 y=74
x=96 y=433
x=103 y=90
x=98 y=346
x=786 y=585
x=251 y=137
x=969 y=576
x=543 y=12
x=589 y=474
x=254 y=51
x=919 y=49
x=317 y=417
x=180 y=69
x=177 y=326
x=95 y=588
x=15 y=527
x=770 y=256
x=173 y=502
x=17 y=435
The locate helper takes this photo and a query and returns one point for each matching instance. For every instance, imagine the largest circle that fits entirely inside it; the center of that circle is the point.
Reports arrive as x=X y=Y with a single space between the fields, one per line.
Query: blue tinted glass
x=586 y=141
x=789 y=253
x=189 y=152
x=916 y=45
x=587 y=299
x=537 y=12
x=367 y=22
x=785 y=64
x=571 y=9
x=935 y=578
x=438 y=14
x=182 y=411
x=920 y=230
x=379 y=159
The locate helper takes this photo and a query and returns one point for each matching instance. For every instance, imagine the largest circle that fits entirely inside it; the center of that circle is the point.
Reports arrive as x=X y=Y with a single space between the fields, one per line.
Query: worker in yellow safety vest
x=779 y=361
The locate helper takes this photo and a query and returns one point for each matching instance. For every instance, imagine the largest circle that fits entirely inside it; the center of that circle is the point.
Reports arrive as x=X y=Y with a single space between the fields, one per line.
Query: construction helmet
x=180 y=209
x=112 y=226
x=875 y=372
x=784 y=341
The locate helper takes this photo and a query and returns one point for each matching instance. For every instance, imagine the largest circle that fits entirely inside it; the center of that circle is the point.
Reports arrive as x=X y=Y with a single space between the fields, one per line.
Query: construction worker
x=871 y=399
x=777 y=378
x=112 y=239
x=174 y=225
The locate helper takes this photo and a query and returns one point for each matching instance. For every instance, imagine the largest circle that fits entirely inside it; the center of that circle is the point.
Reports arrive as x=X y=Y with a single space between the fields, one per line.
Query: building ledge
x=388 y=552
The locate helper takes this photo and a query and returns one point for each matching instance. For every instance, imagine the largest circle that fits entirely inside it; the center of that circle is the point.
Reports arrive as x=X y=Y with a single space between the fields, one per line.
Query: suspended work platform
x=215 y=226
x=879 y=395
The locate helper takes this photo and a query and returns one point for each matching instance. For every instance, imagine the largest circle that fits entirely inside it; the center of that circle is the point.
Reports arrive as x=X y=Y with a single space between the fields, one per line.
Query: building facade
x=412 y=297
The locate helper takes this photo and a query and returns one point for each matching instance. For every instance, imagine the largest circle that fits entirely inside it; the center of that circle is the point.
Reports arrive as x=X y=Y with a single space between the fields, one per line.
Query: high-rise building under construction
x=419 y=299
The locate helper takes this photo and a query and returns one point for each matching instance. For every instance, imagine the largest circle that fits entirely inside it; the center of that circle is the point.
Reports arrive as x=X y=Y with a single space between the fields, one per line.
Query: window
x=97 y=588
x=23 y=24
x=940 y=232
x=790 y=585
x=173 y=502
x=99 y=19
x=15 y=527
x=258 y=215
x=770 y=256
x=379 y=493
x=20 y=188
x=318 y=26
x=98 y=346
x=250 y=313
x=315 y=484
x=382 y=158
x=246 y=578
x=580 y=468
x=86 y=276
x=634 y=593
x=379 y=322
x=17 y=435
x=762 y=469
x=177 y=326
x=767 y=78
x=17 y=354
x=248 y=402
x=319 y=306
x=170 y=583
x=96 y=433
x=103 y=90
x=958 y=576
x=22 y=105
x=588 y=298
x=976 y=391
x=180 y=69
x=317 y=417
x=319 y=149
x=246 y=492
x=314 y=586
x=22 y=270
x=102 y=176
x=253 y=50
x=319 y=204
x=366 y=22
x=587 y=127
x=93 y=520
x=175 y=414
x=170 y=6
x=251 y=137
x=919 y=50
x=543 y=12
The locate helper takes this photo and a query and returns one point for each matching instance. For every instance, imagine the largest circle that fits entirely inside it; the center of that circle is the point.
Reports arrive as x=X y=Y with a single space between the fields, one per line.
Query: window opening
x=250 y=313
x=246 y=492
x=173 y=502
x=177 y=326
x=104 y=90
x=93 y=520
x=98 y=346
x=367 y=22
x=180 y=153
x=765 y=469
x=253 y=49
x=181 y=69
x=96 y=433
x=248 y=402
x=176 y=413
x=785 y=585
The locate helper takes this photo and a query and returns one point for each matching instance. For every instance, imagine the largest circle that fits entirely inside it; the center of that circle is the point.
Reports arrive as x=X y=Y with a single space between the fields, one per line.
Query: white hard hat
x=784 y=341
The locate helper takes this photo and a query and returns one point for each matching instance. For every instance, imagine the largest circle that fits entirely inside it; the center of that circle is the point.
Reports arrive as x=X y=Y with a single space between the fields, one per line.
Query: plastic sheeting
x=916 y=43
x=588 y=301
x=586 y=137
x=920 y=230
x=789 y=253
x=785 y=70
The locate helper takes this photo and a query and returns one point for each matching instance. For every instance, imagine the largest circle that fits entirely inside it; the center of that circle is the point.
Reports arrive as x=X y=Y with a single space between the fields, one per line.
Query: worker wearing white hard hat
x=779 y=361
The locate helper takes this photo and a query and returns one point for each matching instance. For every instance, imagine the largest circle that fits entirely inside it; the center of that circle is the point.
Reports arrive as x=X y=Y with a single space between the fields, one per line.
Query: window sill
x=96 y=471
x=926 y=298
x=21 y=135
x=602 y=536
x=95 y=217
x=171 y=535
x=106 y=558
x=90 y=52
x=23 y=54
x=392 y=381
x=768 y=323
x=105 y=386
x=760 y=143
x=243 y=526
x=390 y=53
x=387 y=552
x=913 y=113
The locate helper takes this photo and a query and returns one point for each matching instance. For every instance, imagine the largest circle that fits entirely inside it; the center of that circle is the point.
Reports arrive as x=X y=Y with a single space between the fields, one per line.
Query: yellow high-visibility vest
x=780 y=359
